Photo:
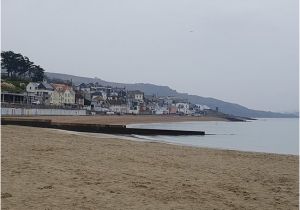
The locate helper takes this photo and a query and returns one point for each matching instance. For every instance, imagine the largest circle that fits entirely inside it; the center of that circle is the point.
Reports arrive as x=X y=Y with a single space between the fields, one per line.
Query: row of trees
x=19 y=66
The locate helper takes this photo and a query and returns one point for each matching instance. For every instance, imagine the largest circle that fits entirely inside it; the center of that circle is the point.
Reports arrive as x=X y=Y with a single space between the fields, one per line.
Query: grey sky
x=239 y=51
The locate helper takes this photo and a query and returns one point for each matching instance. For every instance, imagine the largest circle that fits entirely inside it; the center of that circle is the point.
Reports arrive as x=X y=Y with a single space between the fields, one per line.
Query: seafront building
x=62 y=95
x=41 y=92
x=99 y=99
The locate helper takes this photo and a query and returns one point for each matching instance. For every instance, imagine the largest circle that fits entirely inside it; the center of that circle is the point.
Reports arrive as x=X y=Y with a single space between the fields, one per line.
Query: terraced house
x=62 y=95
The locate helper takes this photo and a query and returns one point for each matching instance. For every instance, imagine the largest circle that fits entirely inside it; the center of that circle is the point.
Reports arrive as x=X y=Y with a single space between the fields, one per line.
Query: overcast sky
x=242 y=51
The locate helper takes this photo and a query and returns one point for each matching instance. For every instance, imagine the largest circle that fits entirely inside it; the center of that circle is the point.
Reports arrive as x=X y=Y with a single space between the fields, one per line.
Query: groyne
x=95 y=128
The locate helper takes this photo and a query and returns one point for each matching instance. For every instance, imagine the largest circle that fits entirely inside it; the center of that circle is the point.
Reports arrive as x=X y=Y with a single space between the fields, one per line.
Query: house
x=135 y=100
x=32 y=87
x=103 y=94
x=172 y=109
x=79 y=99
x=135 y=95
x=45 y=86
x=201 y=107
x=83 y=87
x=42 y=92
x=113 y=96
x=62 y=95
x=161 y=110
x=98 y=104
x=151 y=107
x=182 y=108
x=150 y=98
x=133 y=107
x=85 y=90
x=119 y=108
x=45 y=91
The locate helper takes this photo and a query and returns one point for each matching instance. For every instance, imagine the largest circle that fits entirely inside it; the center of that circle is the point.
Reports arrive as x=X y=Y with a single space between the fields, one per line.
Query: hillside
x=149 y=89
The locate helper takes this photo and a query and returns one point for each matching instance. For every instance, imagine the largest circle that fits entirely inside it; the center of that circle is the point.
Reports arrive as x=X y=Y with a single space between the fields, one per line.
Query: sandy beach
x=50 y=169
x=124 y=119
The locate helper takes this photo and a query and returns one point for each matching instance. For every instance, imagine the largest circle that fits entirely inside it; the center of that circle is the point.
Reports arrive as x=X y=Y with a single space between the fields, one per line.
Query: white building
x=201 y=107
x=42 y=91
x=98 y=104
x=161 y=110
x=119 y=109
x=136 y=95
x=32 y=87
x=104 y=94
x=183 y=108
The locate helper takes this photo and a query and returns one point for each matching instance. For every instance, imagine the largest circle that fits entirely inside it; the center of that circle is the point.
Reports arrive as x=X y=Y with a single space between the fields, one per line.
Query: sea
x=272 y=135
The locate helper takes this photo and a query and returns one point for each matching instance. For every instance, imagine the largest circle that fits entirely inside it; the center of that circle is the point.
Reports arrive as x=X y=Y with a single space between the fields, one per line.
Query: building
x=98 y=104
x=182 y=108
x=172 y=109
x=162 y=110
x=79 y=99
x=135 y=101
x=32 y=87
x=119 y=108
x=201 y=107
x=16 y=98
x=62 y=95
x=42 y=92
x=83 y=87
x=133 y=107
x=135 y=95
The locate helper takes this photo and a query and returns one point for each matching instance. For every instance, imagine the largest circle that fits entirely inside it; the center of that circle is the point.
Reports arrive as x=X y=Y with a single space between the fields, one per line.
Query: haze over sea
x=272 y=135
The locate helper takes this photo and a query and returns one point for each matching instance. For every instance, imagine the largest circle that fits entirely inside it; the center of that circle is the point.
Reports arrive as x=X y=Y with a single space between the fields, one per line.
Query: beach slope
x=50 y=169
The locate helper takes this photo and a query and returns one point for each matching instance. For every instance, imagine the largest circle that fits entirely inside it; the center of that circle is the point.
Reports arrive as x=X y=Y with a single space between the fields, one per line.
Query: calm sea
x=276 y=135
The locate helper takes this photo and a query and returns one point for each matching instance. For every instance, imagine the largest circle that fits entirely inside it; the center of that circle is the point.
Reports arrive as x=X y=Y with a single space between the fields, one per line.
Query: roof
x=114 y=94
x=117 y=103
x=61 y=87
x=45 y=85
x=35 y=84
x=97 y=98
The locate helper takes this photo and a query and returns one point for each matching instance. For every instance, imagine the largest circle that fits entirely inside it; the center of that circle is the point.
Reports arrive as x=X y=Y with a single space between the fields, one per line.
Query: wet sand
x=50 y=169
x=124 y=119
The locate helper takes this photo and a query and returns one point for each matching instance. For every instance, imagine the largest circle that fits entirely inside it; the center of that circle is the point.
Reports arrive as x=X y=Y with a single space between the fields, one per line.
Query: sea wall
x=35 y=112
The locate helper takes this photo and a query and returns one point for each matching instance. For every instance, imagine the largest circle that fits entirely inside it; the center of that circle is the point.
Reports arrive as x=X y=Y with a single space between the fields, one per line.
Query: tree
x=26 y=67
x=9 y=61
x=19 y=66
x=38 y=74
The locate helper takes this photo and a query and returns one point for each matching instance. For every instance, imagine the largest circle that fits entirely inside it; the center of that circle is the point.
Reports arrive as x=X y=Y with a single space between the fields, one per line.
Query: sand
x=50 y=169
x=124 y=119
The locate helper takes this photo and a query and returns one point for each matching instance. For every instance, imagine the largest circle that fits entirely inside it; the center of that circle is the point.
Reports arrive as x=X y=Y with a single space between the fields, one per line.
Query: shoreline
x=147 y=139
x=123 y=119
x=133 y=131
x=44 y=168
